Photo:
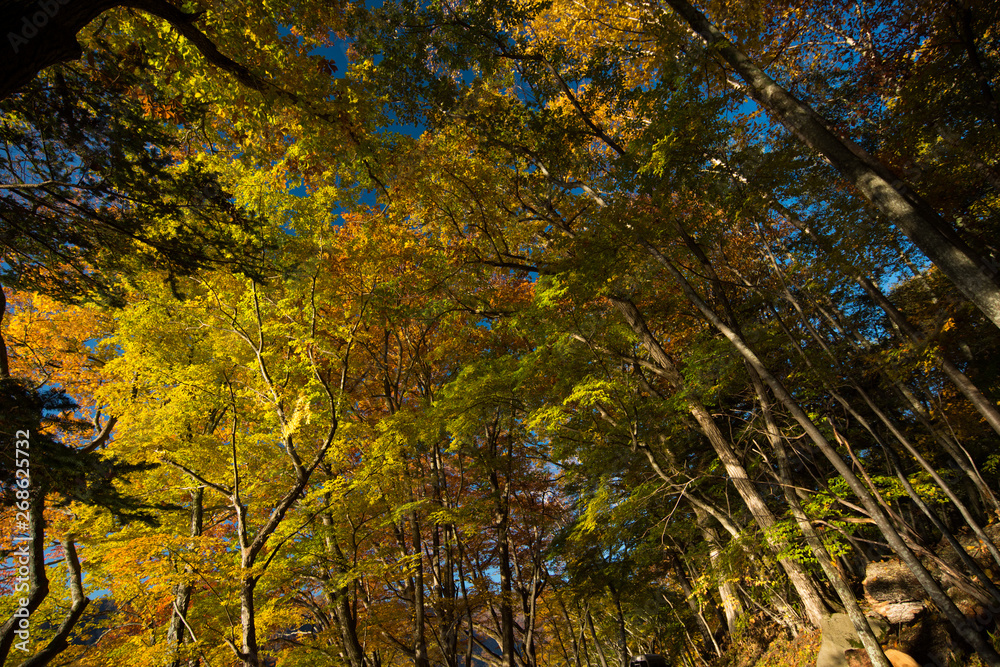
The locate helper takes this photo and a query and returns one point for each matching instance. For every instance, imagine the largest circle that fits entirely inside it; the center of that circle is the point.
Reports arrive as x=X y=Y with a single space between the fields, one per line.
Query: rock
x=839 y=636
x=893 y=591
x=879 y=626
x=900 y=659
x=831 y=656
x=891 y=581
x=898 y=612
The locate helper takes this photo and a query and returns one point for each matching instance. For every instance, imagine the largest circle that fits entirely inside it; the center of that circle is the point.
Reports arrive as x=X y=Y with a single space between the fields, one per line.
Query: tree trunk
x=880 y=517
x=529 y=602
x=4 y=361
x=339 y=599
x=622 y=635
x=843 y=590
x=38 y=582
x=922 y=225
x=78 y=603
x=562 y=645
x=465 y=597
x=177 y=628
x=572 y=633
x=420 y=658
x=597 y=642
x=805 y=587
x=506 y=587
x=41 y=33
x=443 y=565
x=37 y=35
x=689 y=596
x=250 y=651
x=732 y=606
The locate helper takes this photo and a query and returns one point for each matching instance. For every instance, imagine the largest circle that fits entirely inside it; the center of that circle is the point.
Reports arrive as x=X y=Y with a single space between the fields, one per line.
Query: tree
x=40 y=35
x=976 y=279
x=597 y=364
x=69 y=466
x=94 y=193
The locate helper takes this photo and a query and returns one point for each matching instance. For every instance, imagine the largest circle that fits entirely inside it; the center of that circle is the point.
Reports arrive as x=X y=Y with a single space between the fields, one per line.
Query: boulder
x=839 y=637
x=893 y=591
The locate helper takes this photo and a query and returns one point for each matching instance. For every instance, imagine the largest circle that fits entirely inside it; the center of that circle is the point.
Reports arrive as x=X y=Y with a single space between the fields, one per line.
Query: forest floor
x=763 y=644
x=800 y=651
x=768 y=646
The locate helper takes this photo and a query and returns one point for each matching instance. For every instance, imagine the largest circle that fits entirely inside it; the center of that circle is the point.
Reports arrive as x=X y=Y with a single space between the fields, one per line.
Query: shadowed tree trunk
x=850 y=602
x=731 y=603
x=699 y=617
x=177 y=628
x=78 y=603
x=37 y=35
x=38 y=582
x=338 y=596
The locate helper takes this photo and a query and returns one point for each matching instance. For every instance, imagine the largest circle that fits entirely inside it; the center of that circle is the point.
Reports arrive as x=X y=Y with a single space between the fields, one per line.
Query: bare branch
x=212 y=485
x=102 y=437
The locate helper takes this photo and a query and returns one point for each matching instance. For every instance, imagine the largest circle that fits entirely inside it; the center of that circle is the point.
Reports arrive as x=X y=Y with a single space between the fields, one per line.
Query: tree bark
x=41 y=33
x=4 y=363
x=732 y=606
x=572 y=633
x=250 y=655
x=685 y=584
x=36 y=37
x=420 y=657
x=597 y=642
x=38 y=582
x=339 y=600
x=506 y=589
x=620 y=622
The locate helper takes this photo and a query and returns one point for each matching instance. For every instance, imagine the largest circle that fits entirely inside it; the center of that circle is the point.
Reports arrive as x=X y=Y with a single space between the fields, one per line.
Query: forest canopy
x=506 y=332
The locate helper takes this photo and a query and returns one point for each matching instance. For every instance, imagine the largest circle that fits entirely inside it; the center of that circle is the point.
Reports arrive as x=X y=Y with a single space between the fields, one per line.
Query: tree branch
x=218 y=487
x=80 y=601
x=101 y=438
